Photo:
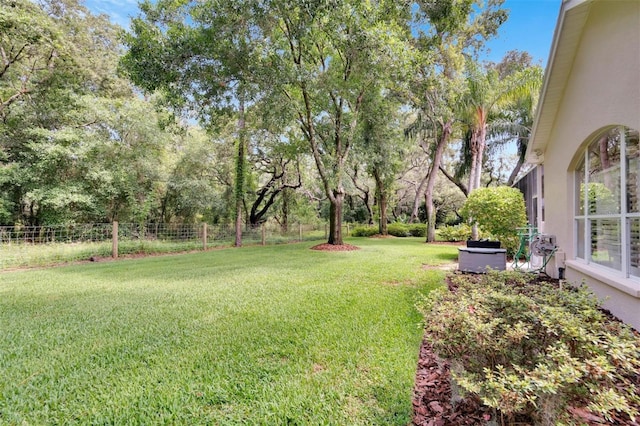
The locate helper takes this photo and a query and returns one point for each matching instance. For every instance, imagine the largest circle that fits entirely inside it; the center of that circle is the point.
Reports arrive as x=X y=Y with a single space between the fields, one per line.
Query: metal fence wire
x=25 y=246
x=88 y=232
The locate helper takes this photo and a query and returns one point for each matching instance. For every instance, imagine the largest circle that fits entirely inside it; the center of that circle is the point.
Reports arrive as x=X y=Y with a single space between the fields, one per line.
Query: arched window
x=607 y=202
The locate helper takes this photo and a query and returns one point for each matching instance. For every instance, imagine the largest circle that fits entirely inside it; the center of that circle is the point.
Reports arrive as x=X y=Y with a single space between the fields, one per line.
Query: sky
x=529 y=28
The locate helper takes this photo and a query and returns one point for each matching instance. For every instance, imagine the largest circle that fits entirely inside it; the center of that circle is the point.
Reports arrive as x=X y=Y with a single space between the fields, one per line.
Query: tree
x=59 y=62
x=382 y=147
x=515 y=120
x=329 y=56
x=193 y=190
x=279 y=171
x=453 y=29
x=206 y=57
x=30 y=51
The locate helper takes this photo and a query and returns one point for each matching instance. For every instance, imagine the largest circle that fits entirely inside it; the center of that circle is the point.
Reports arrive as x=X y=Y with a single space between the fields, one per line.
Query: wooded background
x=253 y=110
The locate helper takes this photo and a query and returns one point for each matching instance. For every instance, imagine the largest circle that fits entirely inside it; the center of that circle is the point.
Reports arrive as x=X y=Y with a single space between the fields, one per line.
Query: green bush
x=533 y=348
x=417 y=229
x=364 y=231
x=498 y=211
x=398 y=229
x=460 y=232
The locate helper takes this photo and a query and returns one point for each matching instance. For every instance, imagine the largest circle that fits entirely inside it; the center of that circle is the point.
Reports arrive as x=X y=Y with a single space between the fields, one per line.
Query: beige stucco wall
x=603 y=89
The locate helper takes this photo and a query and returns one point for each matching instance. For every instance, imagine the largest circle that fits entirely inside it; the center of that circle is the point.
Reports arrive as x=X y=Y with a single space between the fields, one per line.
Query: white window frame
x=623 y=217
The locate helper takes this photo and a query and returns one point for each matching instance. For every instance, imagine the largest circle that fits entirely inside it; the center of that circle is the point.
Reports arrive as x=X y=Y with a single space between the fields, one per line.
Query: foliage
x=333 y=61
x=498 y=211
x=454 y=30
x=514 y=121
x=204 y=339
x=532 y=347
x=460 y=232
x=269 y=81
x=601 y=200
x=78 y=145
x=398 y=229
x=417 y=229
x=364 y=231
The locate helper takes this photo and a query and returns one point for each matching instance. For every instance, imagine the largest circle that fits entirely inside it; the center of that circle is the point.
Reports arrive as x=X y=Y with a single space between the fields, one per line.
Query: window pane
x=580 y=238
x=634 y=247
x=580 y=189
x=604 y=174
x=605 y=243
x=633 y=169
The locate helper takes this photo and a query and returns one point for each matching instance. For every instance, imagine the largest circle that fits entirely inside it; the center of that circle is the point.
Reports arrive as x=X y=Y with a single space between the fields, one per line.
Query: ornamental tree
x=498 y=211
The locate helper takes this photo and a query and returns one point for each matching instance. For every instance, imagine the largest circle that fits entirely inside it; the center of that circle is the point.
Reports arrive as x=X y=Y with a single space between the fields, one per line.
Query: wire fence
x=31 y=246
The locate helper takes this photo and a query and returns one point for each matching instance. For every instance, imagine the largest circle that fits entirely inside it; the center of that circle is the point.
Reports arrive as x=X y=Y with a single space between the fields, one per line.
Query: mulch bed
x=433 y=404
x=335 y=247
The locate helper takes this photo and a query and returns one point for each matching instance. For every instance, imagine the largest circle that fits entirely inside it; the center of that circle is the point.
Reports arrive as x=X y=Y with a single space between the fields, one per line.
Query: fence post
x=347 y=229
x=264 y=235
x=300 y=231
x=114 y=240
x=204 y=236
x=325 y=231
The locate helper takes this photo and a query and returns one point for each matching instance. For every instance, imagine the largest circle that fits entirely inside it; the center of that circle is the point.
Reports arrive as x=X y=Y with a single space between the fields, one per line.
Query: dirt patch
x=317 y=368
x=440 y=267
x=335 y=247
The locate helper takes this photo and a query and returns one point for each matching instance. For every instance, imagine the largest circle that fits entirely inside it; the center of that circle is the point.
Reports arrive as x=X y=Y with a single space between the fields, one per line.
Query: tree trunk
x=381 y=194
x=515 y=172
x=240 y=171
x=416 y=201
x=382 y=201
x=478 y=143
x=433 y=171
x=431 y=216
x=284 y=223
x=522 y=149
x=482 y=143
x=473 y=145
x=335 y=217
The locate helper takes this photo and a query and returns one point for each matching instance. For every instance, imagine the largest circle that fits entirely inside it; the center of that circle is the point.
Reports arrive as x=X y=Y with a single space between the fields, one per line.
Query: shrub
x=398 y=229
x=364 y=231
x=498 y=211
x=460 y=232
x=417 y=229
x=532 y=349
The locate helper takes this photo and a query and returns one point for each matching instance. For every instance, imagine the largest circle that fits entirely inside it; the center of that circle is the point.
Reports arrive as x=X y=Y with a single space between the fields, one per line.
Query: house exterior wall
x=603 y=89
x=528 y=185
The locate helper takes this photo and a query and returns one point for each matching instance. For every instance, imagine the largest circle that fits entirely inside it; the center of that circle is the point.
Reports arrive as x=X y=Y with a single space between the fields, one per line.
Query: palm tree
x=484 y=95
x=498 y=108
x=515 y=121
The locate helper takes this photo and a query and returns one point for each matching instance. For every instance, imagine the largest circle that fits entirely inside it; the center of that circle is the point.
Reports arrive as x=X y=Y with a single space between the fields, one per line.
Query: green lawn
x=258 y=336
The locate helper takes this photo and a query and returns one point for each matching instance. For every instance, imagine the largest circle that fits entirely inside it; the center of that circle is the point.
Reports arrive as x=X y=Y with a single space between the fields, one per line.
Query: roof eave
x=566 y=39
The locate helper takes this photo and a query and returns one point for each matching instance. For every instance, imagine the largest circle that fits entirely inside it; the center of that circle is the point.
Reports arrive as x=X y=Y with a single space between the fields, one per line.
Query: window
x=607 y=218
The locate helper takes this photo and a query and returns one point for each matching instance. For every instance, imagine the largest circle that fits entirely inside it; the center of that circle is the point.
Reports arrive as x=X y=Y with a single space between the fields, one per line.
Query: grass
x=252 y=336
x=21 y=255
